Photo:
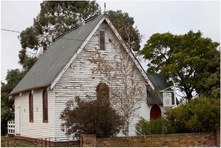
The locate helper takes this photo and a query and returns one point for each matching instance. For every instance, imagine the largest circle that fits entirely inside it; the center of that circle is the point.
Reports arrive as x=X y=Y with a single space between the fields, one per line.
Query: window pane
x=31 y=110
x=45 y=106
x=31 y=107
x=31 y=96
x=102 y=92
x=45 y=94
x=45 y=110
x=102 y=89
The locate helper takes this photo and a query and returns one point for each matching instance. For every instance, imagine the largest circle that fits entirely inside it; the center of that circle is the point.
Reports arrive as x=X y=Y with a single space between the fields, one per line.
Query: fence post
x=88 y=140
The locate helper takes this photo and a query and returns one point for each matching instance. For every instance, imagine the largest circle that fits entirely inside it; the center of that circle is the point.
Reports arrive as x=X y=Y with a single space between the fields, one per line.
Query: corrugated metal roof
x=154 y=96
x=59 y=53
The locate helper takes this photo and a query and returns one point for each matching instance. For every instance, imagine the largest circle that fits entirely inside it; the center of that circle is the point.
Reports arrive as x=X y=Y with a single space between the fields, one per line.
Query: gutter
x=29 y=89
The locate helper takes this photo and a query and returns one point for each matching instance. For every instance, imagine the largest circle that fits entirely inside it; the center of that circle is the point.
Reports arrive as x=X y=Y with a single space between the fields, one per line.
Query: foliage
x=92 y=117
x=26 y=61
x=55 y=18
x=157 y=126
x=124 y=25
x=208 y=77
x=198 y=115
x=6 y=115
x=181 y=58
x=13 y=77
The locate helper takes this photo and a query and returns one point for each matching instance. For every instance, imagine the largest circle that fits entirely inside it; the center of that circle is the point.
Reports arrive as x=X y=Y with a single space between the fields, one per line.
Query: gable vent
x=102 y=40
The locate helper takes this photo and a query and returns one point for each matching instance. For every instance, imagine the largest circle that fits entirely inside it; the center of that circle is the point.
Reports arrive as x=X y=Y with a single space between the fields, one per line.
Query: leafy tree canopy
x=124 y=25
x=198 y=115
x=6 y=115
x=55 y=18
x=13 y=77
x=185 y=59
x=92 y=117
x=208 y=76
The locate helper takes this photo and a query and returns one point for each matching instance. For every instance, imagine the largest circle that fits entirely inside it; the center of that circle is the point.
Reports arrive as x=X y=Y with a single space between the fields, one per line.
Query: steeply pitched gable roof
x=61 y=53
x=155 y=96
x=51 y=63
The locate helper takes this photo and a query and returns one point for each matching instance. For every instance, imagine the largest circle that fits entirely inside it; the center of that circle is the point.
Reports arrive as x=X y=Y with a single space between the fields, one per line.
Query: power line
x=11 y=30
x=57 y=38
x=61 y=37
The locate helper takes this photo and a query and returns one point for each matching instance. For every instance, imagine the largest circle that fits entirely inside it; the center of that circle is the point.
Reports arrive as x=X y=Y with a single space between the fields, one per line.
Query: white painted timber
x=121 y=42
x=35 y=129
x=78 y=51
x=130 y=53
x=11 y=127
x=78 y=79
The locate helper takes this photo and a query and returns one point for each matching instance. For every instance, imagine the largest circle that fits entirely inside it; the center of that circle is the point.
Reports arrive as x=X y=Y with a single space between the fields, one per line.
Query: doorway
x=155 y=112
x=17 y=120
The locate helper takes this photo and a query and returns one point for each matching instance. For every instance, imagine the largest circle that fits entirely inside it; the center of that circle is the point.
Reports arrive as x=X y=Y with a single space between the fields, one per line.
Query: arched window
x=155 y=112
x=31 y=117
x=45 y=106
x=102 y=92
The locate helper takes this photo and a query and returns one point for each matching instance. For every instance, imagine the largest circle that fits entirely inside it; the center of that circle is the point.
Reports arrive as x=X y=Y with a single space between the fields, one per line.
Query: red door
x=155 y=112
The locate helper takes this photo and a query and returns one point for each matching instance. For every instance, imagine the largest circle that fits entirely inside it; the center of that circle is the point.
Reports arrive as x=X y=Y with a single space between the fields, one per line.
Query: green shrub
x=198 y=115
x=93 y=117
x=158 y=126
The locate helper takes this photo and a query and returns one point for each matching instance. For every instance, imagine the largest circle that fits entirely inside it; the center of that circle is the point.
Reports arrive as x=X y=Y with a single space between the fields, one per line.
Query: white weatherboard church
x=63 y=72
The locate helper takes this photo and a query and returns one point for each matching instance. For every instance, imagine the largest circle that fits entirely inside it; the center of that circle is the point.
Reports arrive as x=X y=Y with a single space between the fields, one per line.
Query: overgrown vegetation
x=157 y=126
x=198 y=115
x=182 y=58
x=12 y=78
x=93 y=117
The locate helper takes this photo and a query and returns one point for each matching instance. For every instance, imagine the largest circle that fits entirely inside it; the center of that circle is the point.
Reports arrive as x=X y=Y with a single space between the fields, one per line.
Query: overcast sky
x=177 y=17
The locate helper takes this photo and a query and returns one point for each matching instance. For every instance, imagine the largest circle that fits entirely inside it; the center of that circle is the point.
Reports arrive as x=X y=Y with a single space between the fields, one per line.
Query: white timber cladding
x=76 y=54
x=78 y=79
x=122 y=42
x=35 y=129
x=130 y=53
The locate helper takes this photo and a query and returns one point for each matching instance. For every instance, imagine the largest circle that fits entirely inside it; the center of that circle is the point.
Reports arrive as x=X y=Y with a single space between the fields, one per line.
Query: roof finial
x=104 y=8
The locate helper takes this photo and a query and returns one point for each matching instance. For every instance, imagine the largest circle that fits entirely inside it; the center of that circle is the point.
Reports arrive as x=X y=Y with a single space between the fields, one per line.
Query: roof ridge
x=77 y=26
x=74 y=28
x=91 y=18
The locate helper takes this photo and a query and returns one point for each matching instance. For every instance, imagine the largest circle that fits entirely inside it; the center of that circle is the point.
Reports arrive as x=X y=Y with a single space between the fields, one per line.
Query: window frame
x=31 y=110
x=102 y=40
x=102 y=93
x=43 y=105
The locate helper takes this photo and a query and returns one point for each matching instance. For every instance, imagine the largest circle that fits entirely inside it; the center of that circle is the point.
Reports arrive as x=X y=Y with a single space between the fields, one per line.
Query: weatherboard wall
x=35 y=129
x=78 y=80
